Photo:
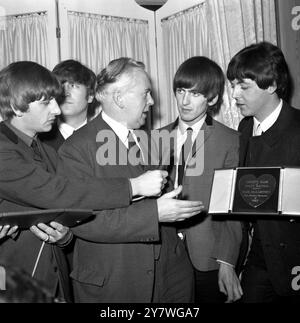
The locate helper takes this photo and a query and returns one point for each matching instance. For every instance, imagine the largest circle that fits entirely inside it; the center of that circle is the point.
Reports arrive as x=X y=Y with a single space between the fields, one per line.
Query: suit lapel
x=9 y=133
x=203 y=135
x=271 y=137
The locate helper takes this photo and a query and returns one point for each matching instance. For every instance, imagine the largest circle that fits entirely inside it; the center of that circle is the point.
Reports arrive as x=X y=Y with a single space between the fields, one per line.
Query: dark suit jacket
x=106 y=267
x=25 y=184
x=208 y=239
x=279 y=146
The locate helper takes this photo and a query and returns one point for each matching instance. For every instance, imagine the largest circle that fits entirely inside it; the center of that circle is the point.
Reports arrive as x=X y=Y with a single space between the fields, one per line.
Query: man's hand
x=229 y=283
x=171 y=210
x=55 y=233
x=7 y=231
x=149 y=184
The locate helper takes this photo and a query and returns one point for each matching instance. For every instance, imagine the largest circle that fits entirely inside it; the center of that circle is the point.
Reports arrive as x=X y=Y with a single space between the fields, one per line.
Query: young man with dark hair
x=212 y=245
x=77 y=102
x=28 y=178
x=270 y=136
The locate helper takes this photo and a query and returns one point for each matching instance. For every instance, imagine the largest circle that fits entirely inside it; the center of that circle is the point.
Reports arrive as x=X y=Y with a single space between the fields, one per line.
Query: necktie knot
x=258 y=130
x=187 y=146
x=132 y=142
x=35 y=148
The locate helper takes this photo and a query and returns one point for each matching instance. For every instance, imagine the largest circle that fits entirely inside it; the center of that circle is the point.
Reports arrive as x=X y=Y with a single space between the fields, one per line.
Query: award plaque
x=256 y=190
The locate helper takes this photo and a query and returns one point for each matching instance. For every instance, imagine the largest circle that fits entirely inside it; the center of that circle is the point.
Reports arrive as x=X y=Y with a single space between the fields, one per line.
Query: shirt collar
x=182 y=126
x=269 y=120
x=119 y=129
x=67 y=130
x=25 y=138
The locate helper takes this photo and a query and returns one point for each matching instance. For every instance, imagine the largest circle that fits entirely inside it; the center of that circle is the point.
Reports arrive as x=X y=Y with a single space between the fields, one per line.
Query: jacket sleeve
x=137 y=222
x=26 y=183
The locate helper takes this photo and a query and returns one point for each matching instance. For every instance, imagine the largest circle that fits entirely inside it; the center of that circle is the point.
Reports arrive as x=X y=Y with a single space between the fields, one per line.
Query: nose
x=67 y=88
x=186 y=98
x=235 y=92
x=150 y=100
x=55 y=110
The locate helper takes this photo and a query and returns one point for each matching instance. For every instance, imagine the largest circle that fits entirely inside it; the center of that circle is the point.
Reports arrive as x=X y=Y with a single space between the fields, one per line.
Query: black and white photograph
x=150 y=156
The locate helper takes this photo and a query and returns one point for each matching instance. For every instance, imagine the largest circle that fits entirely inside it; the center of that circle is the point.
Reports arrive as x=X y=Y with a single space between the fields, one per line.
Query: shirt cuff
x=224 y=262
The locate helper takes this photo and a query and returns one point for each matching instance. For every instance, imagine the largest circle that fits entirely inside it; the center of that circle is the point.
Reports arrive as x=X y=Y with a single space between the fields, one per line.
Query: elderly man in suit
x=213 y=244
x=28 y=180
x=270 y=136
x=155 y=266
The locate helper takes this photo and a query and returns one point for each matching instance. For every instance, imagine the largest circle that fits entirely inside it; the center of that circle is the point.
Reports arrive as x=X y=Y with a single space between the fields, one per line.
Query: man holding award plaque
x=270 y=136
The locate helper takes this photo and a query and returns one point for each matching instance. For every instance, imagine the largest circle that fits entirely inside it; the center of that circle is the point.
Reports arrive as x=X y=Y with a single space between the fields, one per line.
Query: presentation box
x=256 y=191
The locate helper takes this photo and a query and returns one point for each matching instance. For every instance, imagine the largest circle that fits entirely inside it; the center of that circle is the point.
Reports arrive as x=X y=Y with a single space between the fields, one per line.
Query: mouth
x=240 y=105
x=185 y=110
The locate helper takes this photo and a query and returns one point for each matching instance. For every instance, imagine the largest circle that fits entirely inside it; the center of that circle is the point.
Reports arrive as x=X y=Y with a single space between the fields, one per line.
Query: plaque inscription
x=257 y=190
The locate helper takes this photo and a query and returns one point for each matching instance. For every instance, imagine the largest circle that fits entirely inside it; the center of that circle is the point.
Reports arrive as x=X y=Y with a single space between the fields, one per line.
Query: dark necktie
x=36 y=150
x=37 y=154
x=184 y=153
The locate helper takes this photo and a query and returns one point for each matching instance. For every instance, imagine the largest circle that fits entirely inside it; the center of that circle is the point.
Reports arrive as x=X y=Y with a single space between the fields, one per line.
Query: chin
x=47 y=128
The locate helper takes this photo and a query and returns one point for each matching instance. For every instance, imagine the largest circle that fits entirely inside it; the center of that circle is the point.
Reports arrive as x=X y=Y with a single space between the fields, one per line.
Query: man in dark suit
x=270 y=136
x=155 y=266
x=28 y=179
x=213 y=244
x=77 y=103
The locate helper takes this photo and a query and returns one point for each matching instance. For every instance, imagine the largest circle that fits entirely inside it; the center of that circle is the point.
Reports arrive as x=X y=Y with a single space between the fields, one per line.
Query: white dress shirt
x=259 y=127
x=67 y=130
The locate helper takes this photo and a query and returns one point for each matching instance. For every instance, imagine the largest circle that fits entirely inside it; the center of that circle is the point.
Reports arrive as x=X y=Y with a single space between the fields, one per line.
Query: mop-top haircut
x=203 y=76
x=24 y=82
x=263 y=63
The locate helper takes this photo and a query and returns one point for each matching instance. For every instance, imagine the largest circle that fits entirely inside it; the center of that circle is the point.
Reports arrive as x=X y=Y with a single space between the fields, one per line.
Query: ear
x=118 y=99
x=99 y=96
x=272 y=88
x=17 y=112
x=91 y=98
x=213 y=101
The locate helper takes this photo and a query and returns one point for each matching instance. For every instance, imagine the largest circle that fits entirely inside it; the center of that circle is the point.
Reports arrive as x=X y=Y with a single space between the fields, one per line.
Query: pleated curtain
x=24 y=37
x=95 y=39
